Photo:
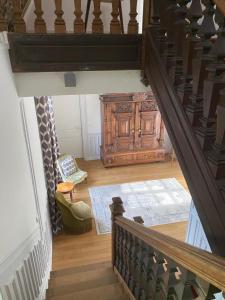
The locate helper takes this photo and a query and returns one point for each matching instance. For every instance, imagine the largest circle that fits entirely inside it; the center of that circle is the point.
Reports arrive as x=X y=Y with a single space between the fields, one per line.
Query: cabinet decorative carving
x=132 y=129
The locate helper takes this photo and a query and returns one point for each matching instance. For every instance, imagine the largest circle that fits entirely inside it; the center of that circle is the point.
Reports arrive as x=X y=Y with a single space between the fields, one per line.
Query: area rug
x=161 y=201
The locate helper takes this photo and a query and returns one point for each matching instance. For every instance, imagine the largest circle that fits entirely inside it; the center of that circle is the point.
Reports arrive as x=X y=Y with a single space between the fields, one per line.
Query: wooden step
x=106 y=292
x=76 y=284
x=82 y=268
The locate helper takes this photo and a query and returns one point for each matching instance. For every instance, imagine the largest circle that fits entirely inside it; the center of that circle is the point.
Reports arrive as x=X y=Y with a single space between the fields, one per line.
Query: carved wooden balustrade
x=16 y=23
x=156 y=266
x=184 y=61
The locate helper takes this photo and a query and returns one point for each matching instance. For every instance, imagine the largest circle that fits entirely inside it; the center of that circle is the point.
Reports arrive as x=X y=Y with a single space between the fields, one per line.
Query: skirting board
x=29 y=281
x=124 y=285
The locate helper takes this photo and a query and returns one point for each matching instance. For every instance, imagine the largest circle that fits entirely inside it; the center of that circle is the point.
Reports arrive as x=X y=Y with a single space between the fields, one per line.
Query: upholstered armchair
x=77 y=217
x=69 y=169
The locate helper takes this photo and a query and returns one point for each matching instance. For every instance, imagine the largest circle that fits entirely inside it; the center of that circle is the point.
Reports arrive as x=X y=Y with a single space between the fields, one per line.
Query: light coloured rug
x=161 y=201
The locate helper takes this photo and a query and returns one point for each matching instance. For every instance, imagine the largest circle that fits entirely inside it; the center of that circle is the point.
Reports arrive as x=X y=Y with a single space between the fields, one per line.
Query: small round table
x=66 y=188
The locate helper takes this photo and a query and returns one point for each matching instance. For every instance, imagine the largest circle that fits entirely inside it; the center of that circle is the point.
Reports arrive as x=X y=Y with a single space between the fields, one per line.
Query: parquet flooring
x=70 y=250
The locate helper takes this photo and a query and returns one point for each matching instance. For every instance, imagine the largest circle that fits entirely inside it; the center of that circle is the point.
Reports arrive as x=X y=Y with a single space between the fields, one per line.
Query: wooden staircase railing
x=156 y=266
x=17 y=23
x=184 y=61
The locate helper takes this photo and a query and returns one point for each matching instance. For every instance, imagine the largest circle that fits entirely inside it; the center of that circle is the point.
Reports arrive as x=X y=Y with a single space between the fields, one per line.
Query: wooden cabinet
x=132 y=129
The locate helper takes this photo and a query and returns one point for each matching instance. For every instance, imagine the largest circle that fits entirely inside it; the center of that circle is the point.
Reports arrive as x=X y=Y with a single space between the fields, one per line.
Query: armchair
x=69 y=170
x=77 y=217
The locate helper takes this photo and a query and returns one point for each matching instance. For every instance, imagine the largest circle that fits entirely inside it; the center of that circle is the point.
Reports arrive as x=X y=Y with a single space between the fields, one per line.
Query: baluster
x=39 y=23
x=128 y=256
x=120 y=253
x=168 y=47
x=132 y=283
x=179 y=28
x=216 y=157
x=97 y=25
x=148 y=272
x=155 y=29
x=124 y=253
x=115 y=26
x=189 y=289
x=117 y=246
x=117 y=209
x=161 y=39
x=79 y=26
x=174 y=286
x=18 y=21
x=161 y=276
x=133 y=24
x=200 y=62
x=138 y=268
x=206 y=133
x=3 y=23
x=60 y=26
x=192 y=38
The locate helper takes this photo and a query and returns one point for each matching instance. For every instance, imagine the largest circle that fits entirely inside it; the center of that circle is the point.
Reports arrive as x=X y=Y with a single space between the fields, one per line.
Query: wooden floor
x=69 y=250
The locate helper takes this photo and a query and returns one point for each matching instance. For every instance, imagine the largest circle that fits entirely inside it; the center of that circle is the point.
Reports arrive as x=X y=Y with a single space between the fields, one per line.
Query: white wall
x=68 y=124
x=78 y=125
x=88 y=82
x=16 y=192
x=24 y=226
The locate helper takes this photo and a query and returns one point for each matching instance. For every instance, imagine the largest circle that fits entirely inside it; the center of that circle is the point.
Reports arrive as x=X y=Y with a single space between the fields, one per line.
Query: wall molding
x=31 y=164
x=29 y=272
x=14 y=259
x=25 y=272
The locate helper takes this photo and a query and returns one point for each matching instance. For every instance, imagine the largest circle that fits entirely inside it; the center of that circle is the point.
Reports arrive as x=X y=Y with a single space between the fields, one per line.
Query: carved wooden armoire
x=132 y=129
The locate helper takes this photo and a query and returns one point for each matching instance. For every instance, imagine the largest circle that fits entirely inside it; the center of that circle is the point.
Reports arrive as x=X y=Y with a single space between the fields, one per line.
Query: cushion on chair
x=59 y=197
x=68 y=166
x=81 y=210
x=77 y=177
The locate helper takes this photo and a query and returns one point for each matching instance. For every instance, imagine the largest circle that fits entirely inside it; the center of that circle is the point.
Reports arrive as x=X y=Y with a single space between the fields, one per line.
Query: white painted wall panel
x=88 y=82
x=17 y=203
x=24 y=224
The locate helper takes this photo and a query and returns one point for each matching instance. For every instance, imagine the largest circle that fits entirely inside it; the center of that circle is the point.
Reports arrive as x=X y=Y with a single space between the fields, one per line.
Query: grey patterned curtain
x=50 y=153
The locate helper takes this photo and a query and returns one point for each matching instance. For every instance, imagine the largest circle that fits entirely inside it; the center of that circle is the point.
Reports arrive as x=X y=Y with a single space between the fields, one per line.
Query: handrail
x=209 y=267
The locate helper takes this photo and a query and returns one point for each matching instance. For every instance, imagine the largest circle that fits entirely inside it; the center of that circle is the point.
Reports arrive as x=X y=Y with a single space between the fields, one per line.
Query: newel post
x=117 y=210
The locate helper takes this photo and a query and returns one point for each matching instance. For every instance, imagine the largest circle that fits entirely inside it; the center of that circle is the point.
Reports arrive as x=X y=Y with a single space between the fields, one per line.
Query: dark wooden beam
x=74 y=52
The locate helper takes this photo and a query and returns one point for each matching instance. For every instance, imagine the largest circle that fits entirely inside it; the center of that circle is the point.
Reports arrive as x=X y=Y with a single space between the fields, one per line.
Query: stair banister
x=192 y=110
x=155 y=265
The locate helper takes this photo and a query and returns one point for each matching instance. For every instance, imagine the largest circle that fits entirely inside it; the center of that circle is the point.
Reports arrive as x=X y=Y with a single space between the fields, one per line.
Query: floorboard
x=71 y=251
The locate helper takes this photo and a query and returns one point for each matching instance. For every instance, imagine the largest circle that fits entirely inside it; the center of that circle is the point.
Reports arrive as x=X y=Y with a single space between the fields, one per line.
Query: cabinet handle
x=140 y=132
x=132 y=131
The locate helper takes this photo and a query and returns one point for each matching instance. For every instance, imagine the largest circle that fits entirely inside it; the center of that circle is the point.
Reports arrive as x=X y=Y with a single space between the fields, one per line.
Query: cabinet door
x=124 y=127
x=149 y=124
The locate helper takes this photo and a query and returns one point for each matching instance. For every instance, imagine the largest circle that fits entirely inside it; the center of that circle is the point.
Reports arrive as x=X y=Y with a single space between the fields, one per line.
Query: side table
x=66 y=188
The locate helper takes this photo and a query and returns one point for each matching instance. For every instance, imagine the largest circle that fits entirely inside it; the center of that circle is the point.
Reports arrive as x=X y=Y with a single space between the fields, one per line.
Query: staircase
x=93 y=281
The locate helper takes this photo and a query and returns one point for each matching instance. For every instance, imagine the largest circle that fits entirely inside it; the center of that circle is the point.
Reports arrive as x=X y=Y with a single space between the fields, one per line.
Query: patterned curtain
x=50 y=152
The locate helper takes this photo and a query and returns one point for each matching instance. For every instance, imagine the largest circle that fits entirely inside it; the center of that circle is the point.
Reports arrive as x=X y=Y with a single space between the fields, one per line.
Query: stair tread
x=106 y=292
x=76 y=285
x=78 y=269
x=79 y=277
